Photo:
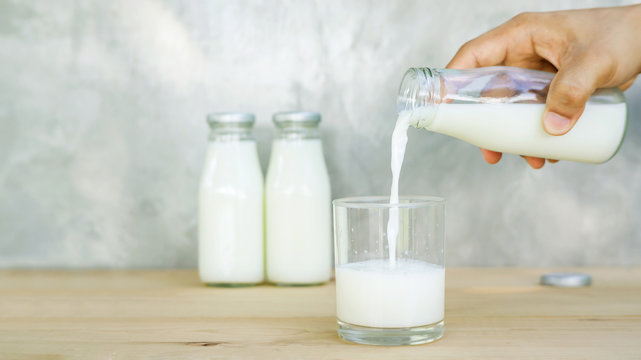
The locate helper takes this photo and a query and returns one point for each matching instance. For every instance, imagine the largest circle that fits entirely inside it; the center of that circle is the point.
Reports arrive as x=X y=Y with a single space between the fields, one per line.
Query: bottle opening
x=407 y=91
x=418 y=94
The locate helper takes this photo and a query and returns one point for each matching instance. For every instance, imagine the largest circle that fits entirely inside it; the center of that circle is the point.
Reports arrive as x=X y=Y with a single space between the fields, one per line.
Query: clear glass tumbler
x=383 y=298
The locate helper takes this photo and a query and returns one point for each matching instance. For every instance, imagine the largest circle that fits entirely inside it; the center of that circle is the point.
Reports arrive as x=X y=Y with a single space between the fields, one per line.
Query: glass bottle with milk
x=230 y=229
x=298 y=204
x=501 y=109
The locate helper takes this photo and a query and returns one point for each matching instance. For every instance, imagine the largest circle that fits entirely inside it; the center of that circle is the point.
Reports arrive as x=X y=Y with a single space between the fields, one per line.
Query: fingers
x=627 y=84
x=571 y=88
x=486 y=50
x=491 y=157
x=534 y=162
x=537 y=163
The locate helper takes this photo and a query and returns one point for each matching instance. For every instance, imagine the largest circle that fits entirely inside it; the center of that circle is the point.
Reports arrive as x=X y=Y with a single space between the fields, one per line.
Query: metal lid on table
x=566 y=279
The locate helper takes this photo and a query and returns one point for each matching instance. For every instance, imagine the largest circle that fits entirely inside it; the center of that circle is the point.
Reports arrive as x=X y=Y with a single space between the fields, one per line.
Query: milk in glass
x=374 y=293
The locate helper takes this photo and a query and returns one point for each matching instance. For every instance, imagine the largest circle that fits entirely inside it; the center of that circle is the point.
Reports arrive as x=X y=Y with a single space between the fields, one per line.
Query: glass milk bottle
x=501 y=109
x=230 y=224
x=298 y=204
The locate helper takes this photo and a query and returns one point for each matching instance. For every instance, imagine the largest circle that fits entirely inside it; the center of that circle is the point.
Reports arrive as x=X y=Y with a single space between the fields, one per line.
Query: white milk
x=230 y=229
x=399 y=142
x=298 y=213
x=373 y=294
x=518 y=129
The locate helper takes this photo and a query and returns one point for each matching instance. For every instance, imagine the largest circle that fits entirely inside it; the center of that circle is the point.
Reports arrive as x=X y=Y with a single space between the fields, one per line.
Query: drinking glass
x=383 y=296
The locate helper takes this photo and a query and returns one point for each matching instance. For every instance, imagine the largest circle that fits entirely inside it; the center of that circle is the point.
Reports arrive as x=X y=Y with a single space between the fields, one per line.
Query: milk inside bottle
x=230 y=220
x=501 y=109
x=298 y=203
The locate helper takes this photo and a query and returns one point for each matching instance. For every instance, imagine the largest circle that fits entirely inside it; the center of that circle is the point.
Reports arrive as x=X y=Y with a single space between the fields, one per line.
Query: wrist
x=633 y=14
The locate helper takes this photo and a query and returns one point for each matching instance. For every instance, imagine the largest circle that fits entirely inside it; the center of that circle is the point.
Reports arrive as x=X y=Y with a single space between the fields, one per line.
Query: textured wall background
x=102 y=128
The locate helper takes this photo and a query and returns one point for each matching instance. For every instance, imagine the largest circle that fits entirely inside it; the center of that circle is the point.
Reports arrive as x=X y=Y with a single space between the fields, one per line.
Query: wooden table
x=167 y=314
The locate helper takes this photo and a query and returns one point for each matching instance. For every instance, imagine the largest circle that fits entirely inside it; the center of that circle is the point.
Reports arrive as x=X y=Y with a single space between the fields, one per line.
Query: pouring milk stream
x=499 y=108
x=399 y=143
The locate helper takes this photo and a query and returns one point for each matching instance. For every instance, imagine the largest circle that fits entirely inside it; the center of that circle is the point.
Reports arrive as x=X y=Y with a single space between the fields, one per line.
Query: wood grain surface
x=496 y=313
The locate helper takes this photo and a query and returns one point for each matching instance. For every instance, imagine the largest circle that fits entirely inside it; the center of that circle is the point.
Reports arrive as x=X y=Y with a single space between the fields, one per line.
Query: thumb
x=569 y=91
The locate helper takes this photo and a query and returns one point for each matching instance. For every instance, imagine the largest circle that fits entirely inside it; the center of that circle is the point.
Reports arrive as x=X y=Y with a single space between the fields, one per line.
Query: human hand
x=589 y=49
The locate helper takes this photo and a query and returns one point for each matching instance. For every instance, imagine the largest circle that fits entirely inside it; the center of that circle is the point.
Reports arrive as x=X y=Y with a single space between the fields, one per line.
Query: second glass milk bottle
x=501 y=108
x=298 y=204
x=230 y=224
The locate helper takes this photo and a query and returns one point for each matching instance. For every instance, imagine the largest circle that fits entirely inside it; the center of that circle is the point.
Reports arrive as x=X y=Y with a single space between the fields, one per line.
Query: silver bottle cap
x=302 y=118
x=231 y=118
x=566 y=279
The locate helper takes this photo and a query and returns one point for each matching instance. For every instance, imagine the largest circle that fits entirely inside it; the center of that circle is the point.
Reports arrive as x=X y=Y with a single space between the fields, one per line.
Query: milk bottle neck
x=297 y=125
x=231 y=126
x=231 y=132
x=420 y=95
x=297 y=132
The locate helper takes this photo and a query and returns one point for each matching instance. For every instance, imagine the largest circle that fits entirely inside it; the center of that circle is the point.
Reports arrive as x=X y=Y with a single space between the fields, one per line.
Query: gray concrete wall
x=102 y=128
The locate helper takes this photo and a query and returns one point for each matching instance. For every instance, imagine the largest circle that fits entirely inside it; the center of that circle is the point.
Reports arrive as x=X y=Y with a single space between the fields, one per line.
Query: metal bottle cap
x=303 y=118
x=566 y=279
x=231 y=118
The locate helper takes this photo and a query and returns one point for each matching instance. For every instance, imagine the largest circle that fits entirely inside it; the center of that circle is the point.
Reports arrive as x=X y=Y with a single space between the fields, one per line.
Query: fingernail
x=556 y=124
